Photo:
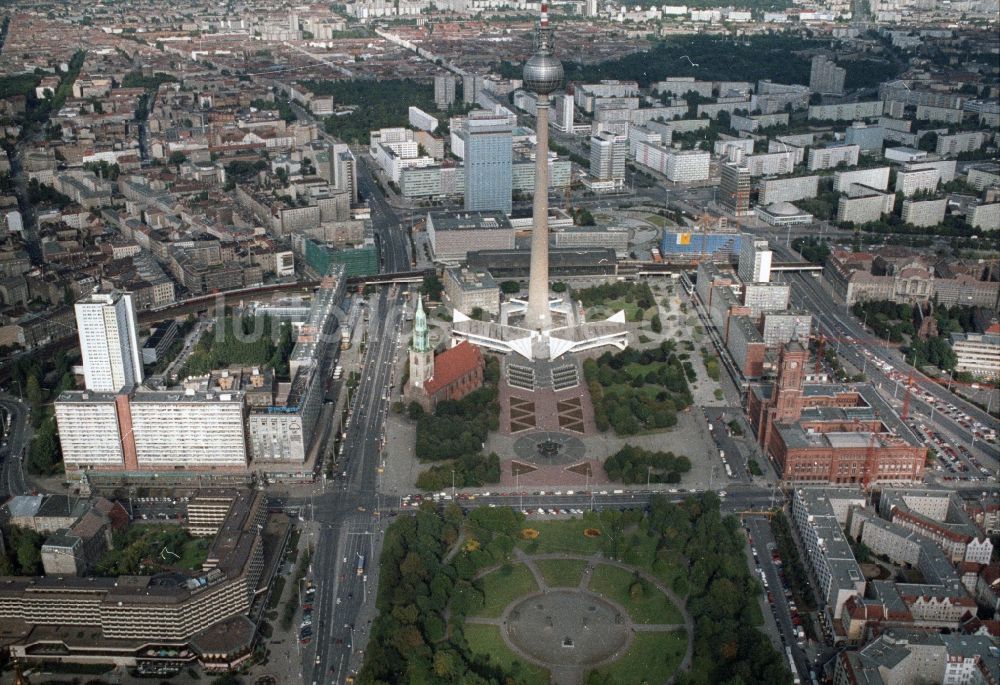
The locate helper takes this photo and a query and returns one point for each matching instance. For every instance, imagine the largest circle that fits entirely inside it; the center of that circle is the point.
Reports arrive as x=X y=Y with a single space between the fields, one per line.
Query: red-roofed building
x=451 y=375
x=455 y=373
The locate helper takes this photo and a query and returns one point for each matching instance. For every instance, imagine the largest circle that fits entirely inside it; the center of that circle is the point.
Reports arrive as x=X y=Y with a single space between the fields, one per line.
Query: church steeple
x=420 y=341
x=421 y=354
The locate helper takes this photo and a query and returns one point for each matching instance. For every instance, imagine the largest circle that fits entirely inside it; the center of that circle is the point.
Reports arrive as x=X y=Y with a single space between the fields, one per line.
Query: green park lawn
x=486 y=639
x=561 y=572
x=652 y=658
x=503 y=586
x=562 y=536
x=652 y=607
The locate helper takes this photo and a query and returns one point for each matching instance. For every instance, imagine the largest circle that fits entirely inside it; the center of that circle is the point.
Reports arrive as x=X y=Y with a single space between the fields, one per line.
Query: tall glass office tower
x=488 y=143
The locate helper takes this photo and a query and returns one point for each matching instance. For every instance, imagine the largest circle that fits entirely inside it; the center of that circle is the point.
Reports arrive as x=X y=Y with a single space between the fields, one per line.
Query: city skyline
x=431 y=341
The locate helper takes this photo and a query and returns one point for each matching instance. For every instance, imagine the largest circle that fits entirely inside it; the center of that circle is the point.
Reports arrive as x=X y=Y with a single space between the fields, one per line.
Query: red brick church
x=451 y=375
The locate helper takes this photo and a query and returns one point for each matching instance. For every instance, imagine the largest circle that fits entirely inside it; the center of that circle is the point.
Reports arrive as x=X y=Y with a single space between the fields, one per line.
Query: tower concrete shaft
x=538 y=315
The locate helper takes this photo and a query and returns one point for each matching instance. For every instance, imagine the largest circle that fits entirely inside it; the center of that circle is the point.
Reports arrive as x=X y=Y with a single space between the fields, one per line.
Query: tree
x=432 y=288
x=34 y=392
x=27 y=550
x=928 y=142
x=177 y=157
x=510 y=287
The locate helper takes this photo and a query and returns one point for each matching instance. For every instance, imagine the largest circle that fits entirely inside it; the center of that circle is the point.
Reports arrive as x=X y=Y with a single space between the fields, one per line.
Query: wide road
x=347 y=519
x=393 y=239
x=16 y=437
x=392 y=236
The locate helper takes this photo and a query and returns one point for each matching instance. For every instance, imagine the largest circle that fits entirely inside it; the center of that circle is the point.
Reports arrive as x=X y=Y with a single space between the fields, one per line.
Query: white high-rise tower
x=109 y=341
x=543 y=74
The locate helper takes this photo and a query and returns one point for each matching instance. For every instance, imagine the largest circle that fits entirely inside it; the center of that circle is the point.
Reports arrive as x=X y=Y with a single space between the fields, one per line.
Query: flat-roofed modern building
x=488 y=148
x=151 y=431
x=469 y=289
x=978 y=353
x=166 y=620
x=615 y=237
x=819 y=515
x=774 y=190
x=109 y=341
x=453 y=235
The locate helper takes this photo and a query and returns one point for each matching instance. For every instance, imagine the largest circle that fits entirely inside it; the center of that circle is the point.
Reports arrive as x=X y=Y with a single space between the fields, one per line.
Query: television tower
x=543 y=74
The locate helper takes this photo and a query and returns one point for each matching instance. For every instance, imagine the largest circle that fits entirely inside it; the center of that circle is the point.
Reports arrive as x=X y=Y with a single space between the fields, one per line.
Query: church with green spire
x=421 y=354
x=451 y=375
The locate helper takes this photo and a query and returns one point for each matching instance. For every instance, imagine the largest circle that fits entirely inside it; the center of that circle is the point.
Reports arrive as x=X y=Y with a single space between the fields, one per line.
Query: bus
x=361 y=564
x=791 y=665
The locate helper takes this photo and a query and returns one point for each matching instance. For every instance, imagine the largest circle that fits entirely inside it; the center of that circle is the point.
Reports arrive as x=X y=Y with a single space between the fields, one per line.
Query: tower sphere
x=543 y=74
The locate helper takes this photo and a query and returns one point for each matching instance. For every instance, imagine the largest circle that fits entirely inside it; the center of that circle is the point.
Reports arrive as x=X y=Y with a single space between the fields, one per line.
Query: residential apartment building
x=771 y=163
x=745 y=345
x=967 y=141
x=607 y=158
x=826 y=77
x=819 y=516
x=109 y=343
x=876 y=178
x=144 y=620
x=765 y=297
x=755 y=260
x=687 y=166
x=781 y=327
x=848 y=111
x=774 y=190
x=985 y=216
x=154 y=431
x=868 y=138
x=924 y=213
x=832 y=156
x=901 y=657
x=862 y=204
x=444 y=91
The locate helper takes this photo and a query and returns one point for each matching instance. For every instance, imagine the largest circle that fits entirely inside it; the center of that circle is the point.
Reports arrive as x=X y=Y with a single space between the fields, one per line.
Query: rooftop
x=469 y=221
x=452 y=364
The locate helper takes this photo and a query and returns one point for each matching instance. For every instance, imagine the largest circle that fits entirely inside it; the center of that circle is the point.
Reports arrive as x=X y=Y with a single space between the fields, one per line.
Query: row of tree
x=633 y=464
x=812 y=249
x=468 y=470
x=41 y=380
